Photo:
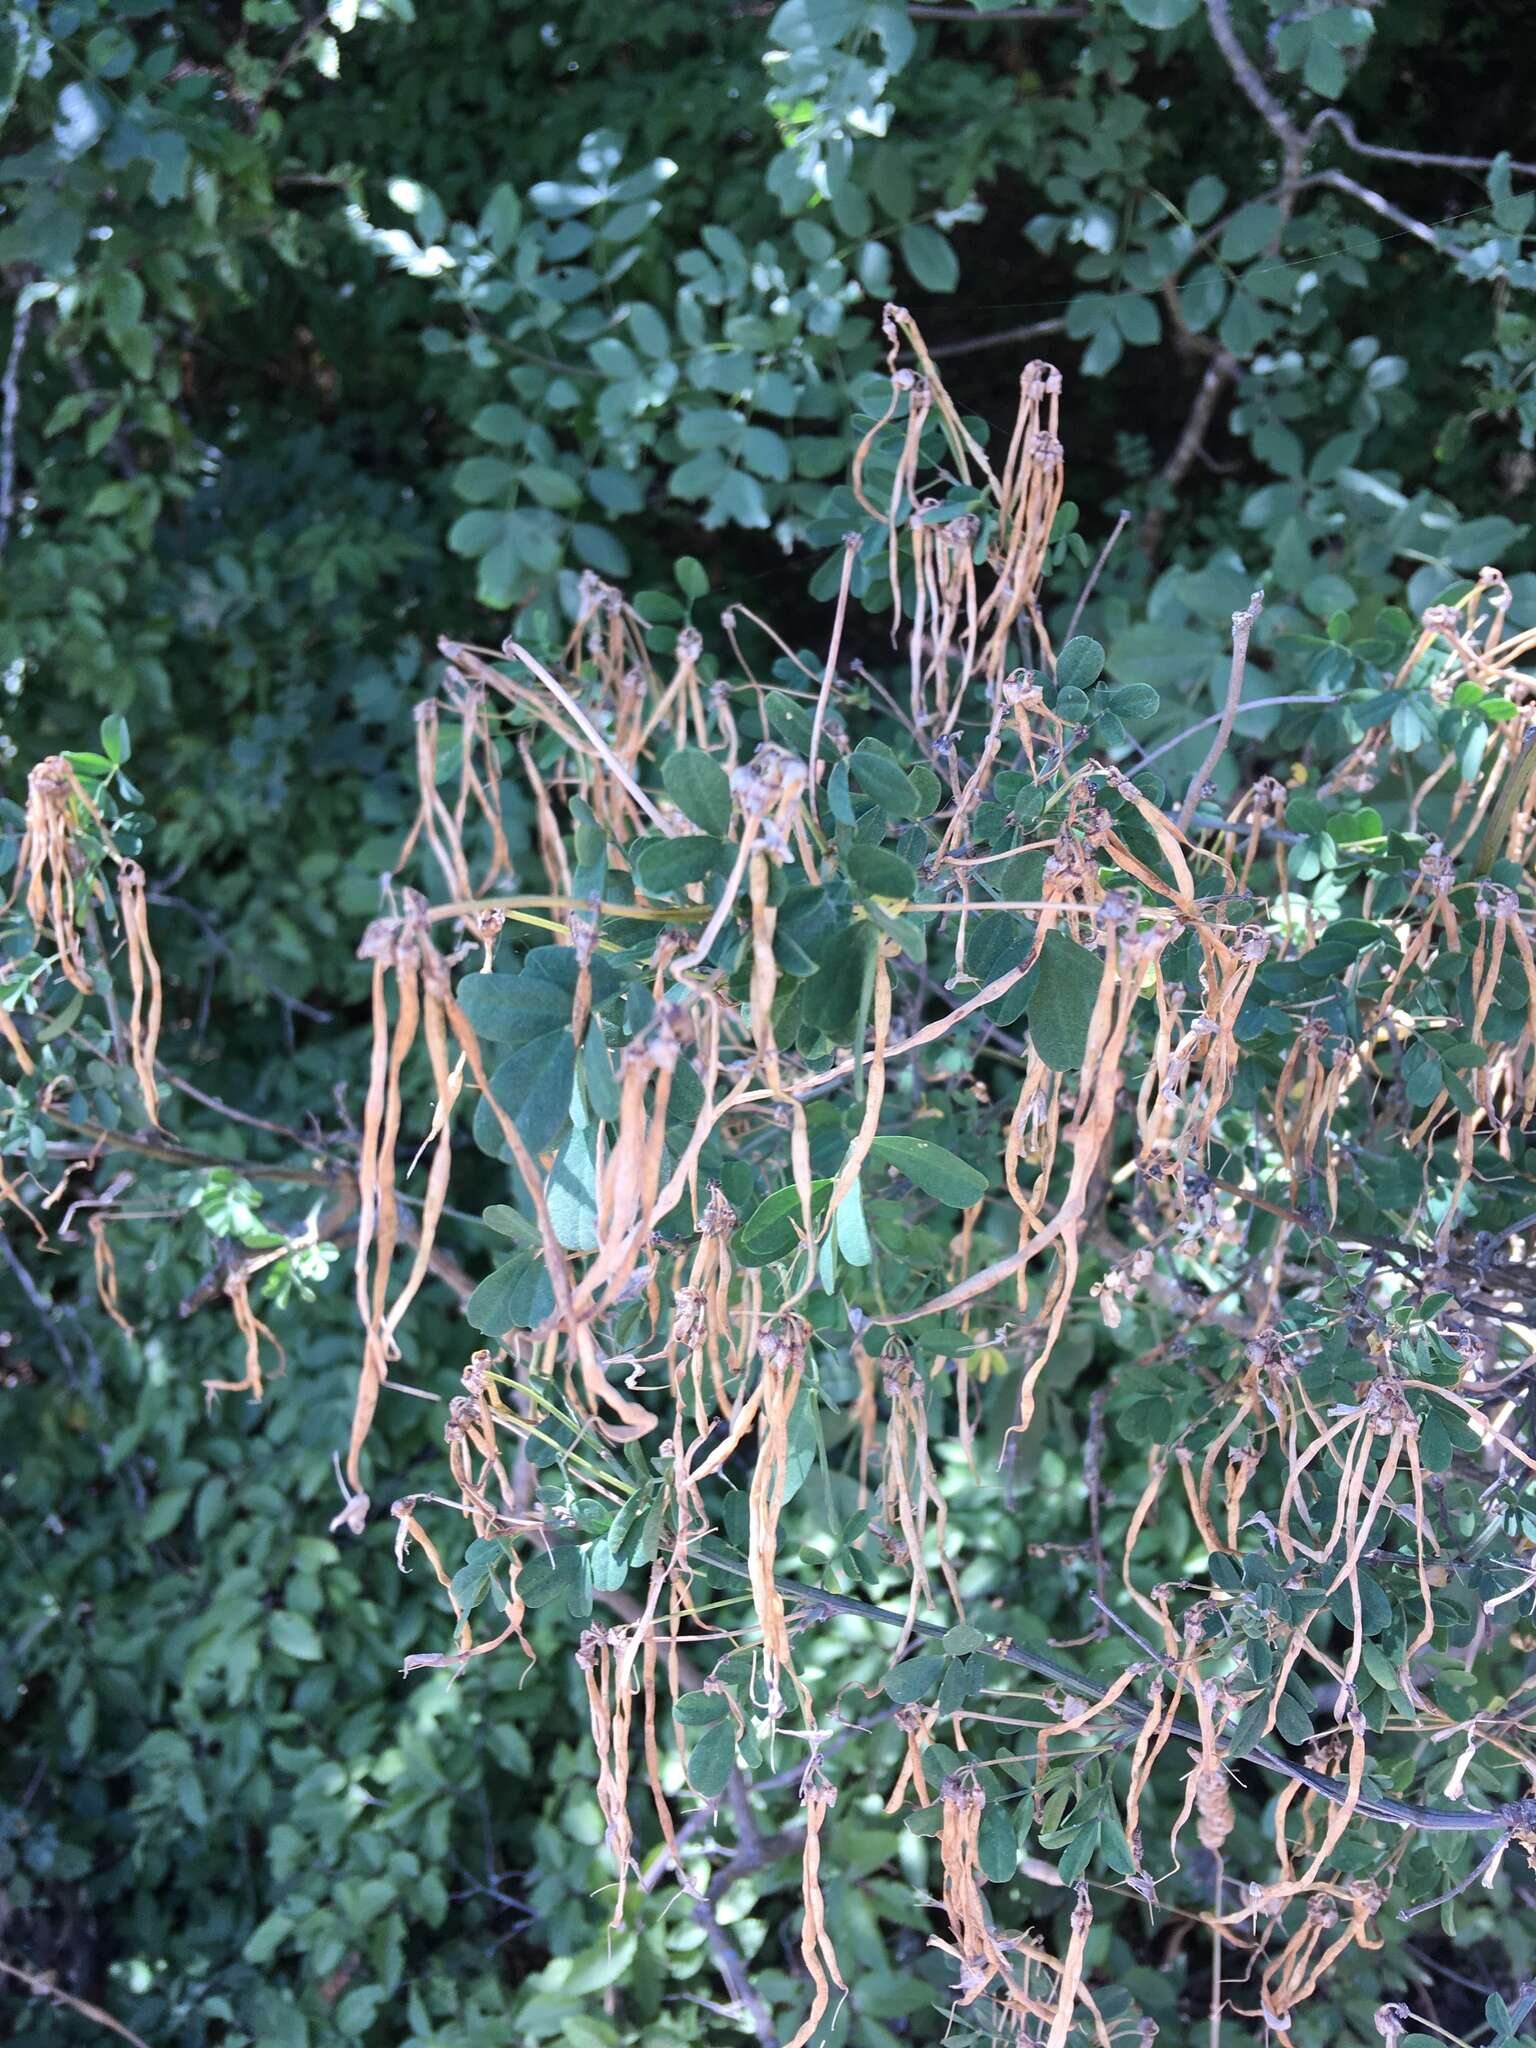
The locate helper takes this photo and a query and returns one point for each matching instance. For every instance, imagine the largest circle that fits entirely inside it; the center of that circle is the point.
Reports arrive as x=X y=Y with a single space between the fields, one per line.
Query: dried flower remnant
x=50 y=862
x=818 y=1795
x=253 y=1333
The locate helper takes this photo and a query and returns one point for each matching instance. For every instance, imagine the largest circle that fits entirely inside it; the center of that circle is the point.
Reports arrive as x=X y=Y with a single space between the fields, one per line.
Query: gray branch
x=10 y=408
x=1425 y=159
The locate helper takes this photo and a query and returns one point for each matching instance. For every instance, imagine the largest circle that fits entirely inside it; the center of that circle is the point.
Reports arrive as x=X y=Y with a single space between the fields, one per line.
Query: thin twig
x=1035 y=332
x=851 y=544
x=1096 y=572
x=1254 y=704
x=1246 y=73
x=1426 y=159
x=240 y=1116
x=43 y=1987
x=1340 y=181
x=47 y=1313
x=728 y=1960
x=1243 y=623
x=1462 y=1884
x=220 y=945
x=1272 y=835
x=1220 y=372
x=514 y=652
x=182 y=1155
x=10 y=407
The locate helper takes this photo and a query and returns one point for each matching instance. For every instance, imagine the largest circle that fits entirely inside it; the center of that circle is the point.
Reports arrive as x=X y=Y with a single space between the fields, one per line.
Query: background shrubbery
x=331 y=334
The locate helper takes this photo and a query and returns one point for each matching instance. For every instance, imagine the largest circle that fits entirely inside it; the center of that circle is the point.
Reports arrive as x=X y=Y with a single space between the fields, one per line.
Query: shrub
x=1002 y=1393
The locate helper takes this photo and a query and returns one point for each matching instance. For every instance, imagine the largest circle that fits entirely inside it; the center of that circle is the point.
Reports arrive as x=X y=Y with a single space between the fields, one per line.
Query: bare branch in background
x=10 y=407
x=42 y=1986
x=217 y=943
x=1333 y=117
x=1246 y=74
x=1254 y=704
x=1220 y=373
x=1340 y=181
x=1096 y=572
x=745 y=1996
x=1000 y=339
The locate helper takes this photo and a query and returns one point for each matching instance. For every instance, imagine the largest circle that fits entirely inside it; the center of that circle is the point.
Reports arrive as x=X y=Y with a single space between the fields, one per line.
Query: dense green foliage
x=328 y=337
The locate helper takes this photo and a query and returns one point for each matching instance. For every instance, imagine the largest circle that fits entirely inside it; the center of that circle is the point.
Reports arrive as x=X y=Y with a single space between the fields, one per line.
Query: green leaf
x=915 y=1679
x=650 y=331
x=853 y=1239
x=1250 y=231
x=550 y=486
x=609 y=1570
x=484 y=477
x=1248 y=1729
x=1202 y=296
x=929 y=257
x=773 y=1230
x=934 y=1169
x=801 y=1437
x=165 y=1511
x=875 y=871
x=878 y=773
x=1063 y=993
x=533 y=1087
x=790 y=722
x=1079 y=664
x=1166 y=656
x=552 y=1575
x=1324 y=70
x=700 y=788
x=502 y=425
x=766 y=454
x=1293 y=1720
x=1160 y=14
x=512 y=1009
x=517 y=1296
x=738 y=500
x=115 y=743
x=1133 y=700
x=700 y=1709
x=997 y=1844
x=1423 y=1075
x=263 y=1943
x=500 y=219
x=691 y=579
x=572 y=1194
x=712 y=1759
x=506 y=1222
x=834 y=994
x=1072 y=705
x=1079 y=1853
x=471 y=1581
x=1137 y=319
x=295 y=1636
x=1204 y=200
x=1245 y=326
x=665 y=867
